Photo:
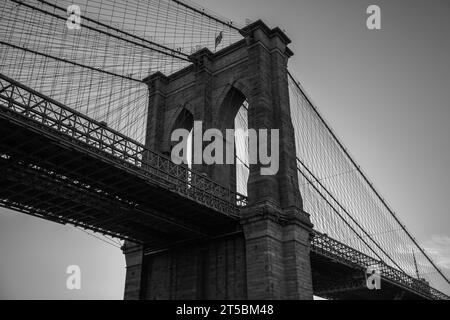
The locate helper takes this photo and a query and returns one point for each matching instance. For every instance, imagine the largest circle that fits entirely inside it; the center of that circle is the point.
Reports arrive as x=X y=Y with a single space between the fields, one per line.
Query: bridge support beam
x=134 y=255
x=277 y=254
x=213 y=269
x=277 y=231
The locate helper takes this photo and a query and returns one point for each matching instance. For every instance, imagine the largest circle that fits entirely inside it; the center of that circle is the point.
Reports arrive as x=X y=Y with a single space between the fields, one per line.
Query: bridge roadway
x=60 y=165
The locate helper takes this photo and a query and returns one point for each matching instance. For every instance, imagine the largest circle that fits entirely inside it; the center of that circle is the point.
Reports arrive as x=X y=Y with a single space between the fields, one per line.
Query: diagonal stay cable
x=206 y=14
x=350 y=216
x=337 y=212
x=172 y=53
x=365 y=178
x=69 y=62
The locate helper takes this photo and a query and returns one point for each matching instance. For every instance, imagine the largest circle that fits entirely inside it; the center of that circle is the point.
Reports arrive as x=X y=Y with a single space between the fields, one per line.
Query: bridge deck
x=60 y=165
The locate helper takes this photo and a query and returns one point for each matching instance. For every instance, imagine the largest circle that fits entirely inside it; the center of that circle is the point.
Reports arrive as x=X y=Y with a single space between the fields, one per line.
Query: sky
x=384 y=92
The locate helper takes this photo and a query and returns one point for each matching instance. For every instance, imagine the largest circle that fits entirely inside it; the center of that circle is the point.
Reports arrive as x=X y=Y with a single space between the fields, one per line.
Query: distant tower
x=415 y=265
x=266 y=253
x=423 y=281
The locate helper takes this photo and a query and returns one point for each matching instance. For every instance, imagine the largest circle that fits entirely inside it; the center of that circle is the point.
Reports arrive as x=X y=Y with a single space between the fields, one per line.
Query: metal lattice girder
x=325 y=246
x=74 y=170
x=21 y=102
x=61 y=200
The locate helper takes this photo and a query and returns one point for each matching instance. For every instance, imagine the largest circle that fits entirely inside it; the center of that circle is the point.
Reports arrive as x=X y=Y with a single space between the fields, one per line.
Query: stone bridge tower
x=267 y=256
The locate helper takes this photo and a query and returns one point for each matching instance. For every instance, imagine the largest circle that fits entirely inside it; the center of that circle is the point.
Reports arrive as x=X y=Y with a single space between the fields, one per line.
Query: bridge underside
x=337 y=280
x=56 y=178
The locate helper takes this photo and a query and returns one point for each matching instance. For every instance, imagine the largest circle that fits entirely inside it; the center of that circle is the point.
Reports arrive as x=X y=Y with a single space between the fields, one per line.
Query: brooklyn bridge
x=88 y=103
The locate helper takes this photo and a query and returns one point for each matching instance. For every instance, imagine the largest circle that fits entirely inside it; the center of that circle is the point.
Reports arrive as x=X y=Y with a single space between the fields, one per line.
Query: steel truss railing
x=53 y=116
x=324 y=245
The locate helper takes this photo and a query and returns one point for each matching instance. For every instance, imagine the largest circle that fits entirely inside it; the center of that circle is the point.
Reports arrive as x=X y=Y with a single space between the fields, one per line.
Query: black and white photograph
x=227 y=156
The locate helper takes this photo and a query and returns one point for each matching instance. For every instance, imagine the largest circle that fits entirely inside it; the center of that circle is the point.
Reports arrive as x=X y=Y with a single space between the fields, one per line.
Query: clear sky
x=386 y=94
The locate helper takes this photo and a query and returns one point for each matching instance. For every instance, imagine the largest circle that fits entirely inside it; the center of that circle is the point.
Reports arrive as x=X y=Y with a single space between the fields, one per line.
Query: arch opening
x=233 y=115
x=185 y=120
x=241 y=149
